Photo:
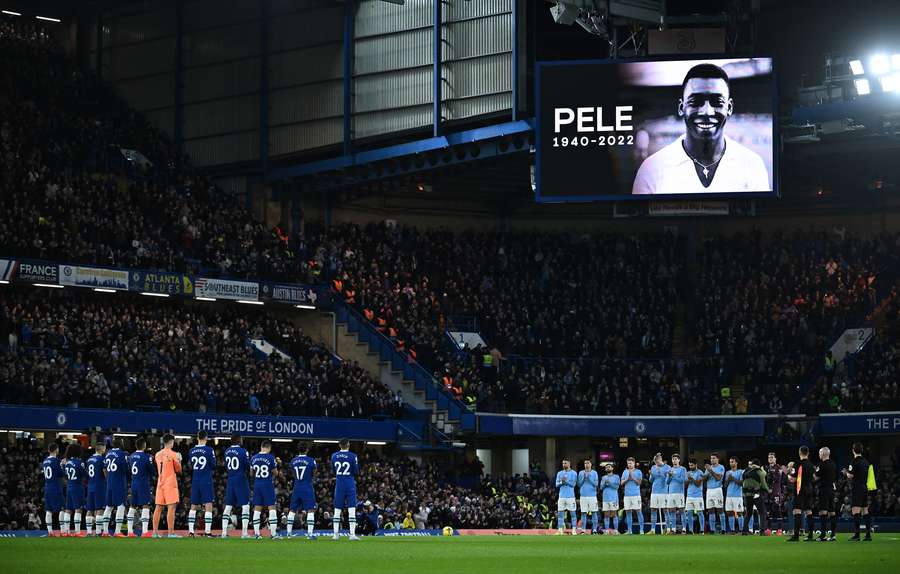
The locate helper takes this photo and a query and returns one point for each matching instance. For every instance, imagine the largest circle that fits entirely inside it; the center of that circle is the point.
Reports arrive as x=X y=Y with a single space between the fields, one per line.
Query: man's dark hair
x=266 y=444
x=118 y=443
x=140 y=443
x=756 y=461
x=857 y=448
x=235 y=439
x=53 y=448
x=202 y=435
x=714 y=454
x=772 y=453
x=735 y=459
x=705 y=71
x=692 y=461
x=344 y=443
x=167 y=438
x=303 y=447
x=73 y=450
x=804 y=450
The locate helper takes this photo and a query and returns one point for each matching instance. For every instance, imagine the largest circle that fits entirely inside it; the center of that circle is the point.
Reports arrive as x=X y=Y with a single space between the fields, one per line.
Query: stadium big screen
x=676 y=128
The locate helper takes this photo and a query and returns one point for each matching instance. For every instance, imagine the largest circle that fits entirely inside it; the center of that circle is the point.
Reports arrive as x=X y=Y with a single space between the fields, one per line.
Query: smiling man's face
x=705 y=106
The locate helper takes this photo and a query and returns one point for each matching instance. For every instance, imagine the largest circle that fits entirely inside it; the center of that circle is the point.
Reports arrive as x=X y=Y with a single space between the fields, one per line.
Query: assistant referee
x=858 y=473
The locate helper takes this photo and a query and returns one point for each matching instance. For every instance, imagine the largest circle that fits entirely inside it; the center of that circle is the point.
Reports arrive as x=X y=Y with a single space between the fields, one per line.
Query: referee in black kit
x=858 y=474
x=802 y=477
x=826 y=475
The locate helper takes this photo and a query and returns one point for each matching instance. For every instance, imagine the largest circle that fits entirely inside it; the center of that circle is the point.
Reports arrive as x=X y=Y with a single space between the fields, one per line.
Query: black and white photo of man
x=704 y=159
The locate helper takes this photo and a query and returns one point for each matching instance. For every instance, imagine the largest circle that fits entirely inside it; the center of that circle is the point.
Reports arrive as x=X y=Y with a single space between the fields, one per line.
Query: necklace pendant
x=705 y=172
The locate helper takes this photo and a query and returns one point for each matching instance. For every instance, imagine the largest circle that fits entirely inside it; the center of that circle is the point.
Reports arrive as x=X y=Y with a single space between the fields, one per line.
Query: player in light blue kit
x=610 y=485
x=142 y=468
x=694 y=502
x=116 y=464
x=734 y=499
x=715 y=500
x=676 y=478
x=588 y=480
x=565 y=482
x=631 y=483
x=659 y=491
x=303 y=497
x=237 y=488
x=96 y=490
x=264 y=466
x=53 y=486
x=74 y=471
x=202 y=459
x=346 y=468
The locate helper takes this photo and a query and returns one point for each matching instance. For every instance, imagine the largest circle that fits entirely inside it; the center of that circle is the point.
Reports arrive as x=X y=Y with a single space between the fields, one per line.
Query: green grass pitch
x=459 y=555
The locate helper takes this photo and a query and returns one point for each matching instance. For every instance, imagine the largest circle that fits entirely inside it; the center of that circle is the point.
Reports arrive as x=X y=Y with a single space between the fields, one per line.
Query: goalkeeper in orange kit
x=168 y=465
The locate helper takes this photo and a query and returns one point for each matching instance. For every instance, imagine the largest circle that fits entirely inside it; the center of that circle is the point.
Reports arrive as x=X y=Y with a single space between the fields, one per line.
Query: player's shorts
x=202 y=493
x=632 y=502
x=345 y=496
x=53 y=501
x=303 y=499
x=714 y=498
x=116 y=496
x=734 y=504
x=658 y=500
x=610 y=505
x=96 y=500
x=74 y=498
x=264 y=495
x=776 y=504
x=588 y=504
x=826 y=501
x=803 y=502
x=140 y=494
x=675 y=500
x=694 y=503
x=237 y=493
x=859 y=497
x=166 y=495
x=565 y=504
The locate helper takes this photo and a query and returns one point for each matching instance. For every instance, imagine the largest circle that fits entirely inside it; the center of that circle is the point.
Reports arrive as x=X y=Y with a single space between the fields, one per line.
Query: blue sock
x=616 y=522
x=606 y=522
x=731 y=522
x=560 y=519
x=750 y=524
x=741 y=522
x=595 y=521
x=671 y=520
x=689 y=520
x=641 y=520
x=712 y=522
x=722 y=521
x=629 y=521
x=702 y=522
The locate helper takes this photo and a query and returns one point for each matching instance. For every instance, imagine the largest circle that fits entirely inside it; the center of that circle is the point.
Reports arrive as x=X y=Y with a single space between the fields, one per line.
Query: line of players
x=746 y=490
x=100 y=485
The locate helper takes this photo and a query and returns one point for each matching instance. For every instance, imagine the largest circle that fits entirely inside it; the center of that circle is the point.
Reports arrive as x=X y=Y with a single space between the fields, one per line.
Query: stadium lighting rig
x=879 y=70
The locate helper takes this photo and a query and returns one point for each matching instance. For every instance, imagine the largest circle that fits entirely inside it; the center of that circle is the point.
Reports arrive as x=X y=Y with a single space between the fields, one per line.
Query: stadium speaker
x=564 y=13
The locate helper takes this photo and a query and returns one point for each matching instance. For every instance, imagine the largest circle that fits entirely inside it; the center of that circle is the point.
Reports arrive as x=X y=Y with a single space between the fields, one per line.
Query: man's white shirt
x=671 y=170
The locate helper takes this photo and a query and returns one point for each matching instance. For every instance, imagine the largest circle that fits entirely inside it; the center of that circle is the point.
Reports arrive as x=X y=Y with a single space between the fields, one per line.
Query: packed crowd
x=125 y=351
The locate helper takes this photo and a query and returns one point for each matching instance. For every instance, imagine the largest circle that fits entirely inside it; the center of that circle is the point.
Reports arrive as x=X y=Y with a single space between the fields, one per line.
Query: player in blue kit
x=715 y=500
x=264 y=466
x=141 y=467
x=53 y=486
x=694 y=502
x=303 y=497
x=116 y=465
x=610 y=485
x=73 y=467
x=631 y=483
x=237 y=488
x=659 y=492
x=202 y=459
x=676 y=478
x=346 y=468
x=96 y=490
x=565 y=482
x=734 y=499
x=588 y=480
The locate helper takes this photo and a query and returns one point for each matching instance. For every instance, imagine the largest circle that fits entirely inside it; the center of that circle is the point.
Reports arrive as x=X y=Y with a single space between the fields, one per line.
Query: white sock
x=290 y=522
x=273 y=522
x=131 y=520
x=226 y=518
x=120 y=518
x=336 y=521
x=351 y=512
x=104 y=521
x=89 y=524
x=192 y=518
x=207 y=522
x=48 y=518
x=310 y=523
x=256 y=515
x=245 y=518
x=77 y=522
x=64 y=521
x=145 y=520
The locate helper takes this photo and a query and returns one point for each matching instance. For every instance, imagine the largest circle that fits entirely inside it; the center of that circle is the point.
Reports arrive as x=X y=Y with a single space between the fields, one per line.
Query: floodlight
x=856 y=67
x=890 y=83
x=895 y=62
x=862 y=86
x=879 y=64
